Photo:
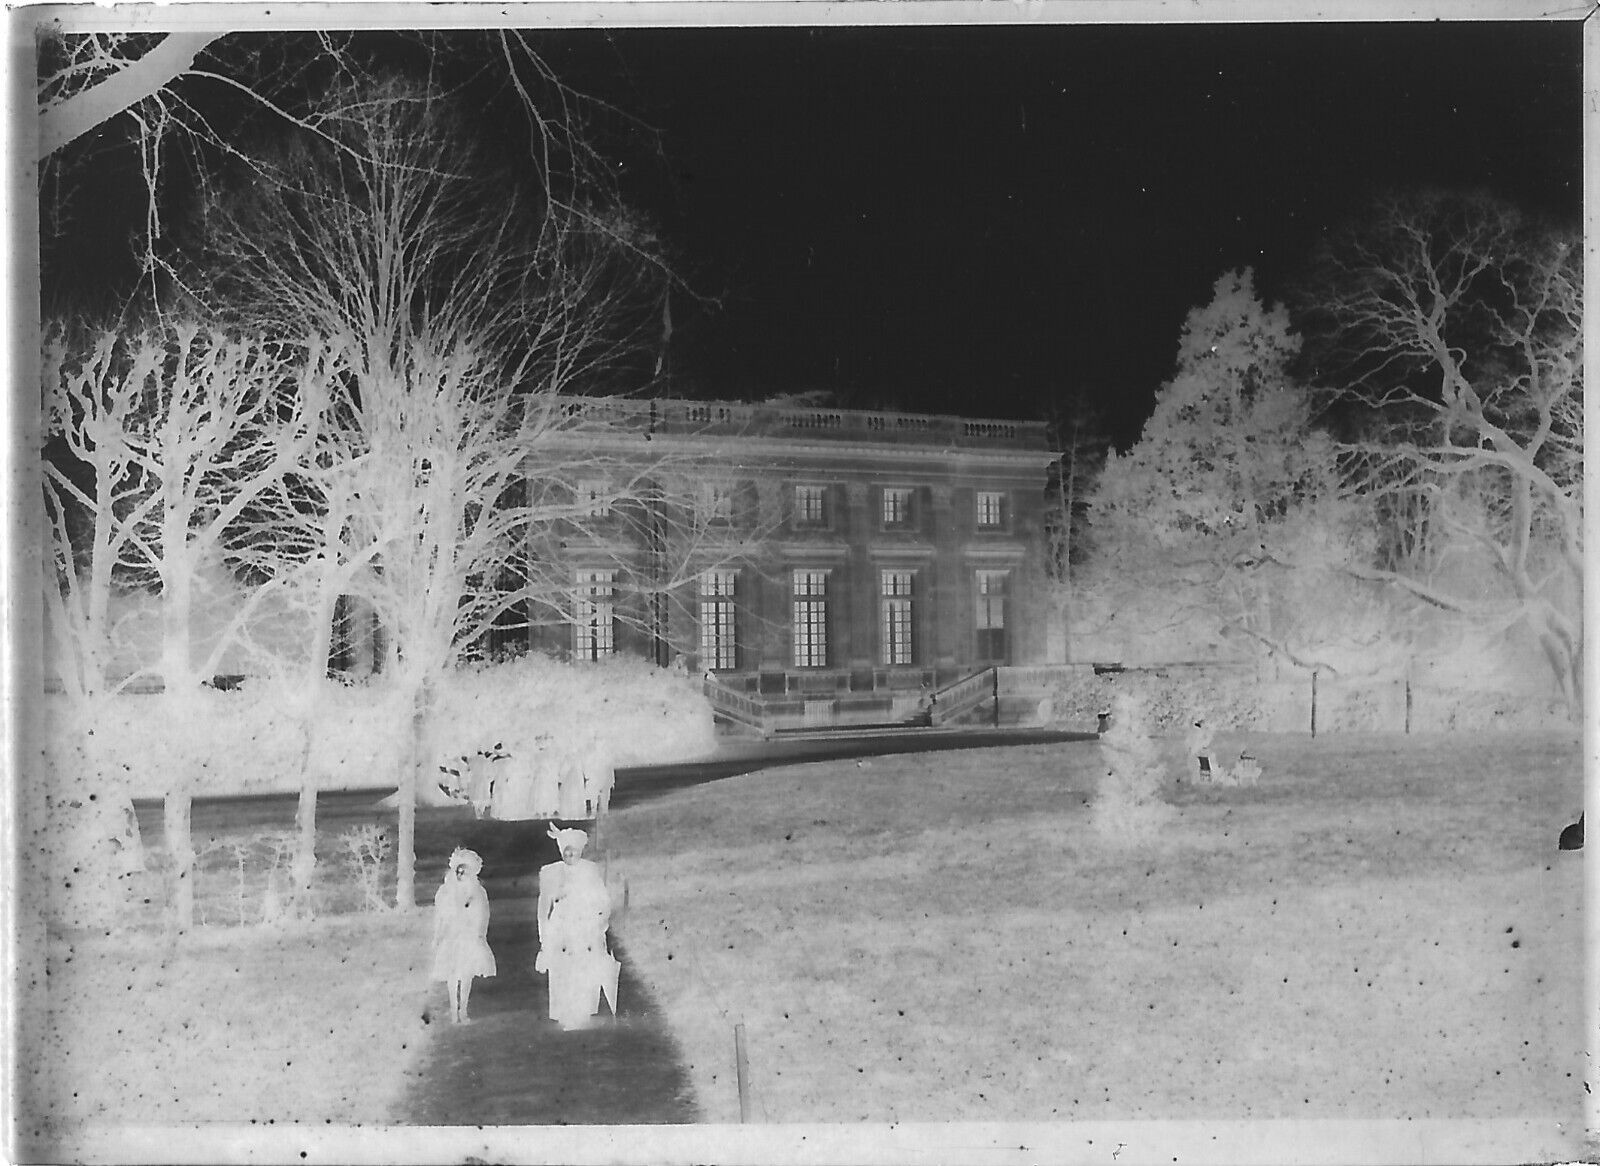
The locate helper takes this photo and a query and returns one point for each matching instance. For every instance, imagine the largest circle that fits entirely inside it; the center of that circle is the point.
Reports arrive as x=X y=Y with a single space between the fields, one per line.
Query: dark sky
x=985 y=219
x=980 y=219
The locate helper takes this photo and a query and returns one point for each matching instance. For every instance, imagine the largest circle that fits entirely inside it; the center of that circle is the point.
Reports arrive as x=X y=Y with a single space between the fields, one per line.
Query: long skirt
x=544 y=794
x=579 y=977
x=573 y=804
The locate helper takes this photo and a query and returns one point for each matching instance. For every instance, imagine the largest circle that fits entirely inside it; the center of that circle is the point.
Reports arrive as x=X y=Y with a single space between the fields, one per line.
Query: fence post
x=995 y=672
x=1408 y=704
x=1313 y=704
x=742 y=1066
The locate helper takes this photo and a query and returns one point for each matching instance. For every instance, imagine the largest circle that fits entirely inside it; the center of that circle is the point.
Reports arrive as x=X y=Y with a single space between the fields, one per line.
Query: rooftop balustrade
x=730 y=418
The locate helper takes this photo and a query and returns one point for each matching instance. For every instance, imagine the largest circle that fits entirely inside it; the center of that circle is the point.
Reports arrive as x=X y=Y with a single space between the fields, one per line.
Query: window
x=991 y=621
x=717 y=644
x=896 y=507
x=895 y=626
x=991 y=509
x=593 y=616
x=355 y=645
x=810 y=619
x=713 y=501
x=594 y=499
x=810 y=506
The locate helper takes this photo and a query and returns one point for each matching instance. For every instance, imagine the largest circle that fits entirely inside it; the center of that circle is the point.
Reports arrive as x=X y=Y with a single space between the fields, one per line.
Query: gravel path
x=513 y=1066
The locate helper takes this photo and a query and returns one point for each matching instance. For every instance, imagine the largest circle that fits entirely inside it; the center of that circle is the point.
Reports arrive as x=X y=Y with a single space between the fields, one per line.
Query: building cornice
x=905 y=554
x=1007 y=552
x=763 y=452
x=818 y=552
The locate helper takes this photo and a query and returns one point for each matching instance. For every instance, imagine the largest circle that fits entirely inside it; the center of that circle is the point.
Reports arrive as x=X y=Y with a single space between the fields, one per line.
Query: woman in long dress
x=461 y=931
x=544 y=796
x=572 y=803
x=599 y=775
x=574 y=912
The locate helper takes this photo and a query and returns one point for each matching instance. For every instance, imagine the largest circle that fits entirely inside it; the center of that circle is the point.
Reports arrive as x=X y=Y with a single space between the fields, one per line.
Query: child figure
x=461 y=931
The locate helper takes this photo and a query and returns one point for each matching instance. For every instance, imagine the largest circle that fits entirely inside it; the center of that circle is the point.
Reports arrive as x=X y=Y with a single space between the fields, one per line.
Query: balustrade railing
x=736 y=706
x=958 y=699
x=727 y=417
x=948 y=705
x=1030 y=678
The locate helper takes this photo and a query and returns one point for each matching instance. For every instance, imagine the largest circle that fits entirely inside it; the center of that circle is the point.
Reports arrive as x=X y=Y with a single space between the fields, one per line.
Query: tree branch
x=75 y=116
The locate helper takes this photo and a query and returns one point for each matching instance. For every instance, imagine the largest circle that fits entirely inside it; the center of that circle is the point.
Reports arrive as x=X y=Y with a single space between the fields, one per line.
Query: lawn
x=1381 y=928
x=312 y=1025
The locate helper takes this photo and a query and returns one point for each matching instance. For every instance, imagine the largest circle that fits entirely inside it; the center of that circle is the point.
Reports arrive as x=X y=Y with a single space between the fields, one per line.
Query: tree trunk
x=405 y=875
x=1566 y=661
x=181 y=857
x=303 y=870
x=1069 y=499
x=177 y=682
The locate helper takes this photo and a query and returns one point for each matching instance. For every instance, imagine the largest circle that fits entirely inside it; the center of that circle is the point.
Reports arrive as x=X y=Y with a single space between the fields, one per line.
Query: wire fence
x=1326 y=702
x=1276 y=698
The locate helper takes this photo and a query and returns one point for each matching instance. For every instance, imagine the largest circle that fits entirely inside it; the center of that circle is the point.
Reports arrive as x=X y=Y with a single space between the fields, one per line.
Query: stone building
x=845 y=566
x=857 y=564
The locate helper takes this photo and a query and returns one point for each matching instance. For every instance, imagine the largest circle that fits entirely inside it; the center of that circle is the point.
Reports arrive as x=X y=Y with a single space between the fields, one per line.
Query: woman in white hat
x=574 y=912
x=461 y=931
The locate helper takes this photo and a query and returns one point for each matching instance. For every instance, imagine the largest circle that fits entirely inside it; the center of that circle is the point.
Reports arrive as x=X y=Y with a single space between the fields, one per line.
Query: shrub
x=250 y=883
x=1128 y=808
x=645 y=714
x=252 y=738
x=368 y=849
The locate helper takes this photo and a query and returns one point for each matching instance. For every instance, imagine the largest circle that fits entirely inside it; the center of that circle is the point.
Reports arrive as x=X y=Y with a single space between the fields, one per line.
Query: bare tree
x=185 y=102
x=172 y=435
x=297 y=545
x=96 y=501
x=1455 y=323
x=431 y=280
x=463 y=312
x=1078 y=429
x=175 y=102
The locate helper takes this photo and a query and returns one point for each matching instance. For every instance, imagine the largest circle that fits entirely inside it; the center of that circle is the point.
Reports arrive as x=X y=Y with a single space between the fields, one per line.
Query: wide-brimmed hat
x=468 y=858
x=569 y=837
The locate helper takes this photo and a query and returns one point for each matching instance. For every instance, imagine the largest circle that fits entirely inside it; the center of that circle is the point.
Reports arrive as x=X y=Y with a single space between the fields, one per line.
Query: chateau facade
x=856 y=562
x=816 y=565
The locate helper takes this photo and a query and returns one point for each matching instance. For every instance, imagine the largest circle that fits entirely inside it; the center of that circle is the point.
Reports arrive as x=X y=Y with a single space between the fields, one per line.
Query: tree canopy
x=1230 y=488
x=1450 y=327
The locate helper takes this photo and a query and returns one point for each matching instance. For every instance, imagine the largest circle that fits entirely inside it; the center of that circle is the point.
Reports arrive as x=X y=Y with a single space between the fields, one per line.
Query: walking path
x=513 y=1066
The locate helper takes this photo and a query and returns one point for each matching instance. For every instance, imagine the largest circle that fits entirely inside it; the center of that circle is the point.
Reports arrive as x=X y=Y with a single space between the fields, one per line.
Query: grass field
x=312 y=1025
x=1382 y=928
